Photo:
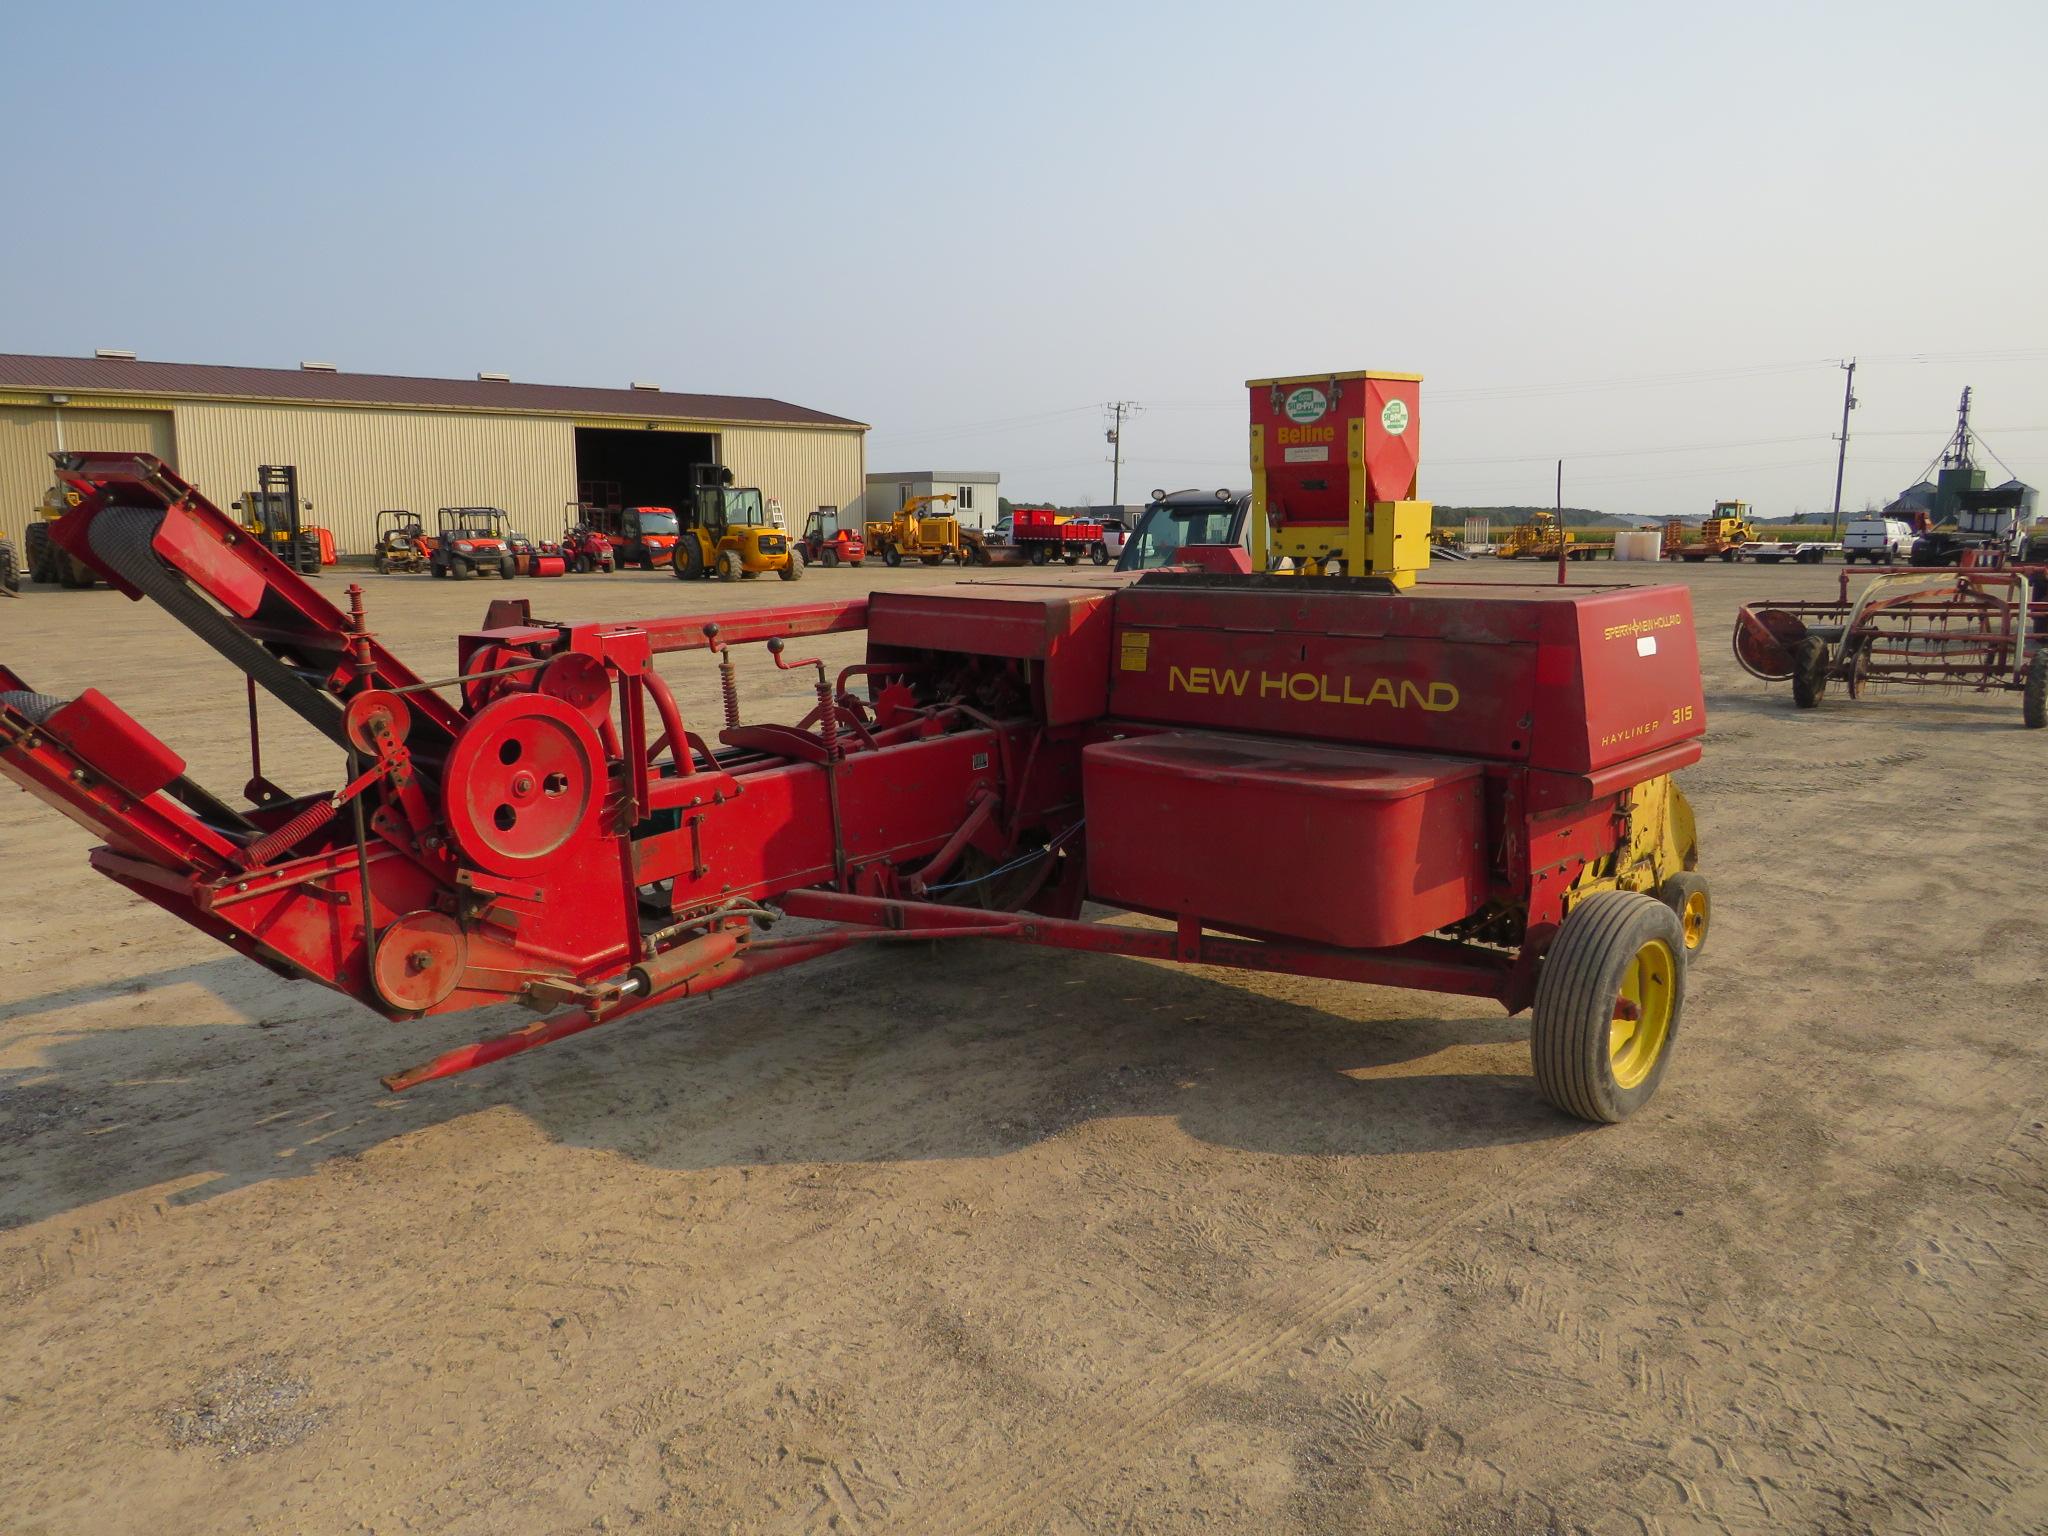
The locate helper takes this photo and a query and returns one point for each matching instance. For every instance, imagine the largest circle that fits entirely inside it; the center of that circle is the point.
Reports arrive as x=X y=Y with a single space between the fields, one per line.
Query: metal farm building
x=364 y=441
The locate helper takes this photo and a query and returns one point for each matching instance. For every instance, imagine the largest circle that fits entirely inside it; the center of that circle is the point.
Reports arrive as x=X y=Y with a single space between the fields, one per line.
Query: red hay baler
x=1460 y=788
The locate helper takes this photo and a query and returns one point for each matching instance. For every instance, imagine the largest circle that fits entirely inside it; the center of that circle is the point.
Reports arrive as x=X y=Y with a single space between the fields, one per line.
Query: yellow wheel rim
x=1642 y=1013
x=1693 y=918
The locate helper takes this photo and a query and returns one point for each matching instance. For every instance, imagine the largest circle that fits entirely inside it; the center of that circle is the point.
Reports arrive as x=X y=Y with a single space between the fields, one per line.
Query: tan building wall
x=803 y=469
x=355 y=461
x=352 y=463
x=29 y=435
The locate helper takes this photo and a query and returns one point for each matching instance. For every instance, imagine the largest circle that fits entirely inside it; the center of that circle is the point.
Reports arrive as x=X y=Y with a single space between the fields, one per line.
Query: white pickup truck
x=1880 y=540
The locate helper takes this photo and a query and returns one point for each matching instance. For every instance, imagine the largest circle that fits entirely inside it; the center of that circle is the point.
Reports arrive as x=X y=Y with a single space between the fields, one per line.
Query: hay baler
x=1461 y=789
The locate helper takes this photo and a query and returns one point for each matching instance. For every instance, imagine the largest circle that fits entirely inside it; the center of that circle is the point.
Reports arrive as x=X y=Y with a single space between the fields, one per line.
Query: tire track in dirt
x=1575 y=1363
x=1035 y=1474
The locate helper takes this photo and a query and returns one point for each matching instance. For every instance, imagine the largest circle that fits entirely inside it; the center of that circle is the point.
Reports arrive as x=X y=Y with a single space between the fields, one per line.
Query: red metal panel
x=118 y=748
x=1393 y=438
x=203 y=552
x=1625 y=681
x=1570 y=679
x=1387 y=691
x=1359 y=849
x=1066 y=628
x=1305 y=431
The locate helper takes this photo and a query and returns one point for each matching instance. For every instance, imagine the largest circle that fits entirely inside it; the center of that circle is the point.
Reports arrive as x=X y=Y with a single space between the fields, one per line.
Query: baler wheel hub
x=1642 y=1014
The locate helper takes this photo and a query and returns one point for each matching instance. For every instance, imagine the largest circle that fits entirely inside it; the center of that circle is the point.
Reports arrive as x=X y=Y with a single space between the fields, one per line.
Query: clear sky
x=1635 y=235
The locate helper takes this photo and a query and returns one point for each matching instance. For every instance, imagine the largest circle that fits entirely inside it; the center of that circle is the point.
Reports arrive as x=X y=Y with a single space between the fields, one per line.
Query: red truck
x=1046 y=535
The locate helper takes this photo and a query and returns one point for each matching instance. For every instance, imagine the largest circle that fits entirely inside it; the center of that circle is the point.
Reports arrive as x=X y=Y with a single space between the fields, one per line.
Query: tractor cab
x=830 y=540
x=1205 y=524
x=729 y=534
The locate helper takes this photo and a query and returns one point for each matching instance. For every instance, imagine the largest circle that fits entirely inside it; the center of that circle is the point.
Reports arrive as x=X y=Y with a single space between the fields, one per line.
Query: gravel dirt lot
x=997 y=1240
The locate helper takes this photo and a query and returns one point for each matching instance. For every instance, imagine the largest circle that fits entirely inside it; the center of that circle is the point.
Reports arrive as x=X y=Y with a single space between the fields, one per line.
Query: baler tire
x=1810 y=672
x=1687 y=894
x=1608 y=942
x=122 y=539
x=2034 y=697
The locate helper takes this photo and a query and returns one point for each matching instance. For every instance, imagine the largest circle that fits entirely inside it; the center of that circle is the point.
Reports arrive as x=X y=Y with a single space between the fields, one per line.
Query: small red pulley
x=419 y=960
x=376 y=714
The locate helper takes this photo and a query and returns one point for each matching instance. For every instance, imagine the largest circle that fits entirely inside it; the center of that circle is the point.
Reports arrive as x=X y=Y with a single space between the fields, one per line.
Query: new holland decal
x=1313 y=688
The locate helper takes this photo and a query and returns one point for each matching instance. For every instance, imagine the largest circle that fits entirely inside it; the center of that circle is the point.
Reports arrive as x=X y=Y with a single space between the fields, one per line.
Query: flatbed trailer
x=1778 y=551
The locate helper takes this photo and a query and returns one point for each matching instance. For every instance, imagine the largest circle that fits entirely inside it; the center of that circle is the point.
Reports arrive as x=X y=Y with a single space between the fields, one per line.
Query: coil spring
x=729 y=685
x=828 y=716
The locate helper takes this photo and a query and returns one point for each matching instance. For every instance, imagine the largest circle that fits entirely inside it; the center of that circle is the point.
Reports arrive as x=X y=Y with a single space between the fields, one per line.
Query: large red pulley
x=523 y=781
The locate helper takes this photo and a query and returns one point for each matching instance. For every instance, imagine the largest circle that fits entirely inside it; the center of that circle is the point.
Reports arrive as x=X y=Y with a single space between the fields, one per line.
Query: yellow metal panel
x=639 y=424
x=28 y=435
x=353 y=463
x=801 y=469
x=1324 y=378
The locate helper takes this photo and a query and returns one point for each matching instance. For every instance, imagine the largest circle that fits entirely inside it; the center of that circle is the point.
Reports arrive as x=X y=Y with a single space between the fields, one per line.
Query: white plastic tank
x=1638 y=544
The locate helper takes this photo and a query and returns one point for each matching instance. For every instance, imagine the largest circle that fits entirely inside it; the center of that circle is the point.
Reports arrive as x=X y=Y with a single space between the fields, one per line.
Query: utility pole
x=1119 y=410
x=1560 y=523
x=1842 y=453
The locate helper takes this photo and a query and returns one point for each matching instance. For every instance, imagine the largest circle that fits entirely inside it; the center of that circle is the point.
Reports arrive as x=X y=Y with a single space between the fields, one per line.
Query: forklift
x=726 y=532
x=828 y=541
x=271 y=513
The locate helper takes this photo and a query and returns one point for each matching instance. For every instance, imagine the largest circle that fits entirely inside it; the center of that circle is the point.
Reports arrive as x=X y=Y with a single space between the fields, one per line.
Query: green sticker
x=1306 y=404
x=1394 y=418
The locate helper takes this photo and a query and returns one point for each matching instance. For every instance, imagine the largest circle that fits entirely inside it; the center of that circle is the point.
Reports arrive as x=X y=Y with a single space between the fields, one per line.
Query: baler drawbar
x=1457 y=788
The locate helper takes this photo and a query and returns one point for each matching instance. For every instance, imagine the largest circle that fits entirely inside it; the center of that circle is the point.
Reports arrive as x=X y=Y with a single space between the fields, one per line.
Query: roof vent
x=305 y=367
x=494 y=378
x=115 y=354
x=644 y=384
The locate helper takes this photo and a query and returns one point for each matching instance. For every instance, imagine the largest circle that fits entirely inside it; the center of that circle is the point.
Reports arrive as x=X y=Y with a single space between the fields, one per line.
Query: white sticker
x=1646 y=645
x=1319 y=455
x=1394 y=419
x=1306 y=404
